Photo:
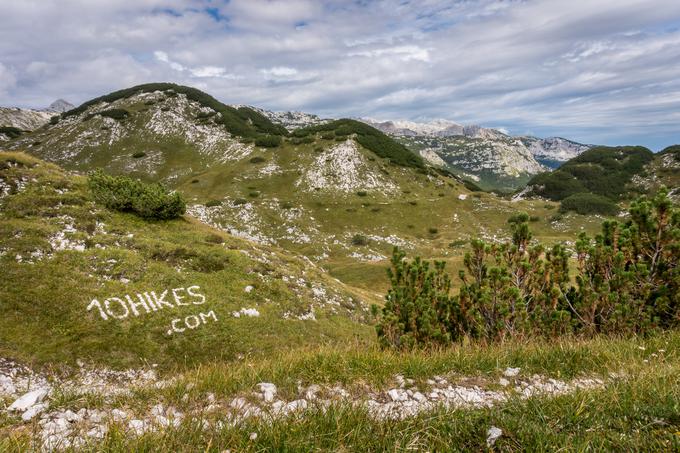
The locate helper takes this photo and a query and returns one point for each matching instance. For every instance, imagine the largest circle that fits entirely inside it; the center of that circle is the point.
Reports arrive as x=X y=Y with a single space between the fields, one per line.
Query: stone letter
x=134 y=305
x=178 y=298
x=107 y=305
x=200 y=296
x=161 y=301
x=210 y=314
x=175 y=328
x=186 y=321
x=95 y=303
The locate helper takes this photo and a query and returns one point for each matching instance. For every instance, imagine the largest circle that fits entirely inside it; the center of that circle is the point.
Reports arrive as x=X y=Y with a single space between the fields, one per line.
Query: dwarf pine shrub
x=150 y=201
x=627 y=282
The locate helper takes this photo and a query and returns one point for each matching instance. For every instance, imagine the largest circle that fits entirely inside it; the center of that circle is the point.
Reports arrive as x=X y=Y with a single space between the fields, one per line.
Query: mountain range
x=489 y=157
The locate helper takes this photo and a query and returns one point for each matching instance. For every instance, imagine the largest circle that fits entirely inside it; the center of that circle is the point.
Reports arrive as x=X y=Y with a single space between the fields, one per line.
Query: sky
x=594 y=71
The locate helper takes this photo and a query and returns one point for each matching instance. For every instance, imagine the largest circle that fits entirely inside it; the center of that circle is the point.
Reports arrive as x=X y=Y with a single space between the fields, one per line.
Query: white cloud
x=596 y=71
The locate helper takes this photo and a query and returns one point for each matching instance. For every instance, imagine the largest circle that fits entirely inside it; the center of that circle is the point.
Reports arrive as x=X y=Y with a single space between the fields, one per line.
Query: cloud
x=602 y=71
x=198 y=72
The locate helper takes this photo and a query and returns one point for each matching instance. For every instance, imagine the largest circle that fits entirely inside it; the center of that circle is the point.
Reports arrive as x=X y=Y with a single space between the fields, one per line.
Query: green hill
x=82 y=282
x=602 y=170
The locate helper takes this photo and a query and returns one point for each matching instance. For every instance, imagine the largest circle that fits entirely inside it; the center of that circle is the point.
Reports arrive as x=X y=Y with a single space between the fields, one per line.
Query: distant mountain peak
x=60 y=106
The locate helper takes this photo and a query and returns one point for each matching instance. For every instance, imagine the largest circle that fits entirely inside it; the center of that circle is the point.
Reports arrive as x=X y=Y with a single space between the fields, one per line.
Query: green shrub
x=257 y=160
x=627 y=283
x=10 y=131
x=359 y=240
x=138 y=154
x=268 y=141
x=149 y=201
x=239 y=201
x=534 y=218
x=418 y=307
x=286 y=205
x=457 y=243
x=213 y=203
x=116 y=114
x=362 y=193
x=589 y=203
x=55 y=119
x=433 y=230
x=254 y=194
x=471 y=186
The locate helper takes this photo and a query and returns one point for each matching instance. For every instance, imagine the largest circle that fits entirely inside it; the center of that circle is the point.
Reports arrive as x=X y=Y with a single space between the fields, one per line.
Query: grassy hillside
x=59 y=252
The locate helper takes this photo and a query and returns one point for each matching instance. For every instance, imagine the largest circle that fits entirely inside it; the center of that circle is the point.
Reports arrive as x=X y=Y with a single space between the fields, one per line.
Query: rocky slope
x=292 y=120
x=30 y=119
x=24 y=119
x=553 y=151
x=491 y=158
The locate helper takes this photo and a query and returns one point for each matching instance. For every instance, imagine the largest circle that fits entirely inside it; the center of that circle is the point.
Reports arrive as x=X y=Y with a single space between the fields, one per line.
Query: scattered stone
x=492 y=436
x=504 y=382
x=250 y=312
x=34 y=410
x=249 y=288
x=268 y=391
x=253 y=436
x=511 y=372
x=29 y=399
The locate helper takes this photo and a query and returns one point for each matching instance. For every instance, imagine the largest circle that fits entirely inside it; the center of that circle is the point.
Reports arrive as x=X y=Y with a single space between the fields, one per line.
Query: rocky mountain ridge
x=487 y=156
x=28 y=119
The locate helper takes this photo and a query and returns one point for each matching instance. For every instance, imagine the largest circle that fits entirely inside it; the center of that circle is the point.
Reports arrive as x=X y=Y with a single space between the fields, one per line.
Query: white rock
x=462 y=196
x=511 y=372
x=138 y=426
x=311 y=391
x=249 y=288
x=295 y=406
x=397 y=395
x=504 y=382
x=492 y=435
x=98 y=431
x=71 y=416
x=268 y=391
x=119 y=415
x=419 y=397
x=252 y=312
x=28 y=400
x=253 y=436
x=33 y=411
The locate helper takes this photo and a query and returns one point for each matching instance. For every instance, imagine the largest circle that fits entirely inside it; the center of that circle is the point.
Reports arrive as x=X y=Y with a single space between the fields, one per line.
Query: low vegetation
x=11 y=132
x=602 y=170
x=149 y=201
x=586 y=203
x=627 y=282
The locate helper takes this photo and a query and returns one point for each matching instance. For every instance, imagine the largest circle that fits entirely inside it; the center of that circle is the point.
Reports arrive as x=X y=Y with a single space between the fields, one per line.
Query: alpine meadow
x=295 y=225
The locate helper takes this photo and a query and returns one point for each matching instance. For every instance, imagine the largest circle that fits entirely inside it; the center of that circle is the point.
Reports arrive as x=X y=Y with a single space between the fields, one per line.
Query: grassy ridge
x=602 y=170
x=242 y=121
